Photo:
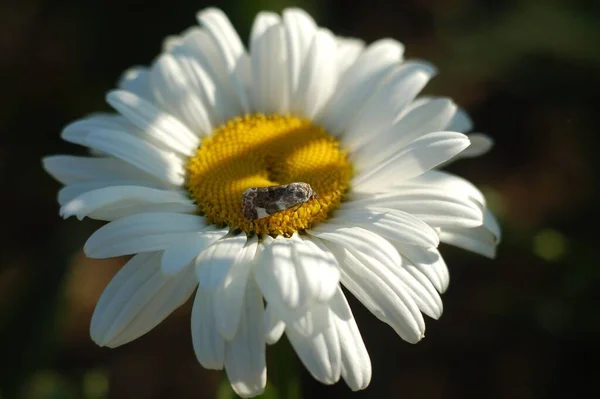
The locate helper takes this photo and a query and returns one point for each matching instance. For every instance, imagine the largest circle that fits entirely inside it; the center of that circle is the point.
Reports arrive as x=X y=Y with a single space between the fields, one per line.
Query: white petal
x=174 y=93
x=69 y=169
x=421 y=291
x=367 y=246
x=164 y=128
x=206 y=67
x=137 y=299
x=136 y=80
x=380 y=257
x=434 y=206
x=142 y=232
x=213 y=264
x=230 y=48
x=389 y=223
x=480 y=144
x=277 y=275
x=229 y=295
x=300 y=29
x=201 y=82
x=422 y=286
x=447 y=182
x=359 y=83
x=119 y=211
x=262 y=22
x=320 y=352
x=387 y=105
x=123 y=196
x=349 y=49
x=383 y=296
x=356 y=364
x=209 y=346
x=142 y=154
x=177 y=256
x=319 y=75
x=415 y=159
x=77 y=131
x=269 y=87
x=274 y=326
x=318 y=269
x=482 y=240
x=428 y=261
x=72 y=191
x=461 y=122
x=245 y=361
x=430 y=117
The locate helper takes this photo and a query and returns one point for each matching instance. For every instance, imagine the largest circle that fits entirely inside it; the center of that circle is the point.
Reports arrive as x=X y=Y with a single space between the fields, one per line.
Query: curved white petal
x=229 y=293
x=317 y=268
x=117 y=197
x=446 y=182
x=213 y=264
x=482 y=240
x=69 y=169
x=74 y=190
x=161 y=164
x=269 y=92
x=349 y=49
x=162 y=127
x=436 y=207
x=430 y=117
x=262 y=22
x=174 y=93
x=142 y=232
x=387 y=104
x=384 y=296
x=77 y=131
x=276 y=274
x=356 y=364
x=299 y=29
x=245 y=361
x=137 y=299
x=421 y=291
x=274 y=326
x=318 y=76
x=415 y=159
x=427 y=301
x=201 y=57
x=136 y=80
x=392 y=224
x=428 y=261
x=359 y=83
x=179 y=255
x=460 y=122
x=480 y=144
x=230 y=48
x=367 y=246
x=208 y=344
x=433 y=305
x=320 y=352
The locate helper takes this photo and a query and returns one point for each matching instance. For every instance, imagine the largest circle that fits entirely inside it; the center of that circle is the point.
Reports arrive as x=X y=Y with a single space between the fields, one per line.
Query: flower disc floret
x=267 y=150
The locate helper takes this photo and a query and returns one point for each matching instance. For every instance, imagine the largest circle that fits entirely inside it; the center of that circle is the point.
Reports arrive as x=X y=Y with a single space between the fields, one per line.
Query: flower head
x=206 y=122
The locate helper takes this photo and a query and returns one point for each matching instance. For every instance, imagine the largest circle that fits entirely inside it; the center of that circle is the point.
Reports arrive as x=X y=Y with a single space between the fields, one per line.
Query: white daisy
x=208 y=120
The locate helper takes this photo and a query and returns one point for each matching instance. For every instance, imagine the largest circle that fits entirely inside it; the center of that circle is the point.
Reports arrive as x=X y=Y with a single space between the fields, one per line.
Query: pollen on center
x=261 y=151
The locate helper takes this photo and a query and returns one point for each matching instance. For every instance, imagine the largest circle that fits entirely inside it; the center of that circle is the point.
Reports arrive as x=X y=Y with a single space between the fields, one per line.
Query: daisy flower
x=209 y=120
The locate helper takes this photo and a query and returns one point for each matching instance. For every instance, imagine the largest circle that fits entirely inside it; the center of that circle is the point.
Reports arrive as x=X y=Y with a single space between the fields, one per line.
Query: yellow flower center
x=261 y=151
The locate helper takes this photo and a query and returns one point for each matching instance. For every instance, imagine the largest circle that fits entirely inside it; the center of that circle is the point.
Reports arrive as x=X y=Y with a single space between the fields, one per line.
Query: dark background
x=523 y=326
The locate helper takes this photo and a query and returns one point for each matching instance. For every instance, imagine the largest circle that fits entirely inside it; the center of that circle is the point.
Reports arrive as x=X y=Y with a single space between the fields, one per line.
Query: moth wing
x=261 y=213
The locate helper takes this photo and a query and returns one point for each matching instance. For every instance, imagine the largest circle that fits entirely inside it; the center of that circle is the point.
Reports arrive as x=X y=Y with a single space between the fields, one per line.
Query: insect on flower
x=260 y=202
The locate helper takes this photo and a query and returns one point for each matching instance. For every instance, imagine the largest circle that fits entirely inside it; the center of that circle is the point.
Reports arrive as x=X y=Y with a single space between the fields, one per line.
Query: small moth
x=260 y=202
